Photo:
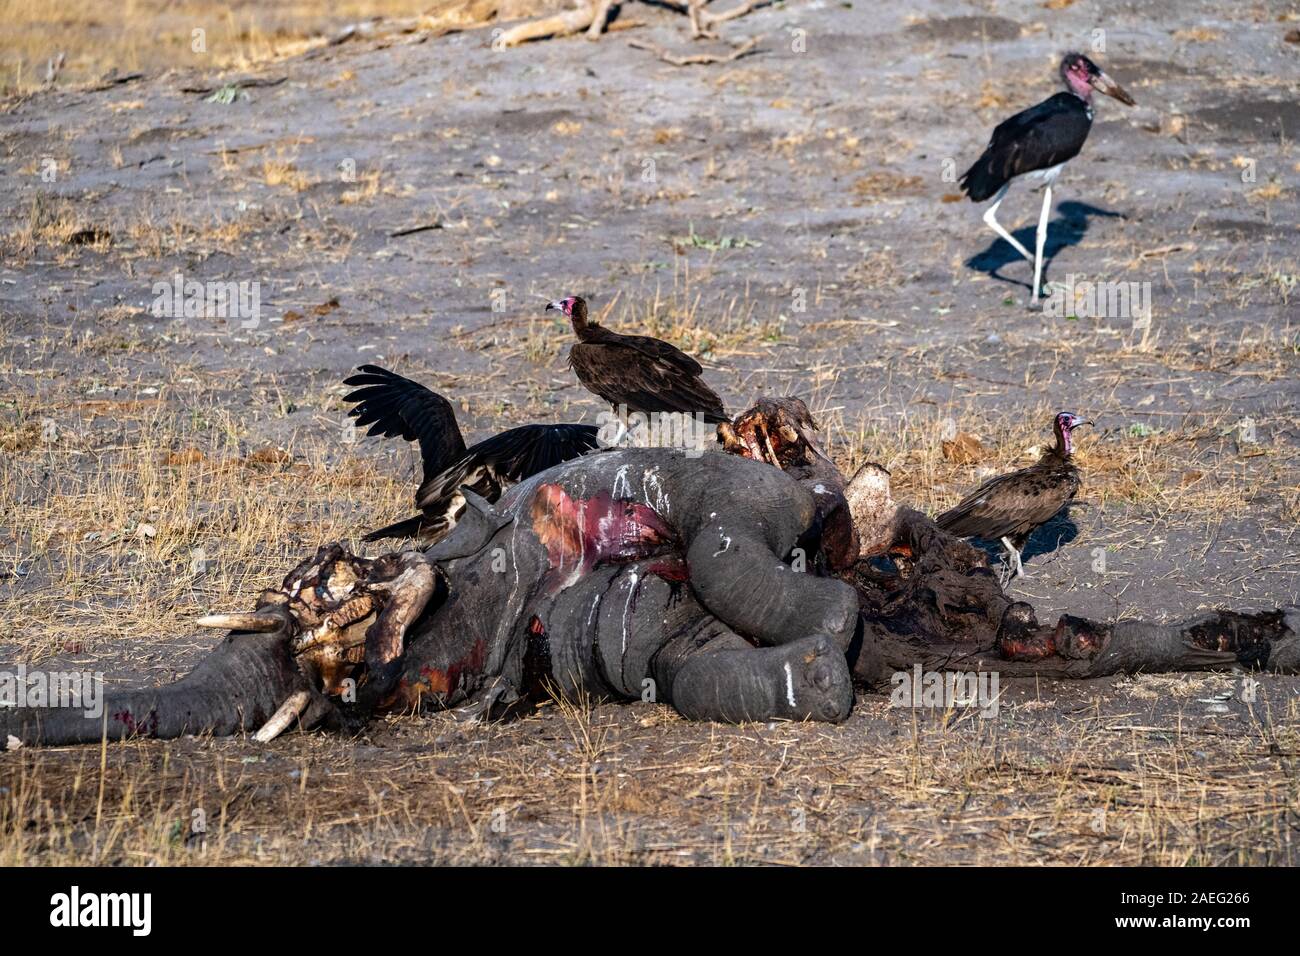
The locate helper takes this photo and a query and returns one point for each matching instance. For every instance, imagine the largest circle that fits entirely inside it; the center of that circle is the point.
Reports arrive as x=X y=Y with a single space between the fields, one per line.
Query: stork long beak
x=1104 y=84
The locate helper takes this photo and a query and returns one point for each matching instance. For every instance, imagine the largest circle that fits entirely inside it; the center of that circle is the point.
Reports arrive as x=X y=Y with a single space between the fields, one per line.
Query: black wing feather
x=496 y=463
x=539 y=447
x=1040 y=137
x=395 y=406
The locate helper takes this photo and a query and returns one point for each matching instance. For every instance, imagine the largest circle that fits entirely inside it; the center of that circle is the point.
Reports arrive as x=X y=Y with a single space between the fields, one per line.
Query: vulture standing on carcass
x=1011 y=507
x=395 y=406
x=638 y=372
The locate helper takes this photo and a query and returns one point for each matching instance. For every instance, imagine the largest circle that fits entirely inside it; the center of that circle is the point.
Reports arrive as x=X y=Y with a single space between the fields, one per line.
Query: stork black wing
x=1037 y=138
x=396 y=406
x=506 y=459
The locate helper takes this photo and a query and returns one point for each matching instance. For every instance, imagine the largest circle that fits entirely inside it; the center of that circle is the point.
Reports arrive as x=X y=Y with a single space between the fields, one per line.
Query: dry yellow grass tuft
x=281 y=171
x=154 y=35
x=884 y=184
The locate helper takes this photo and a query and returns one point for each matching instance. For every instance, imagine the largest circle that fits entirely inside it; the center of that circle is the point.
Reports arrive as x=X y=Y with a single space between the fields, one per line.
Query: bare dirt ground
x=791 y=218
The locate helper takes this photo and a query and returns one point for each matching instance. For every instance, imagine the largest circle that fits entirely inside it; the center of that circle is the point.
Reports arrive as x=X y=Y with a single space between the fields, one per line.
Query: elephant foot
x=816 y=681
x=807 y=679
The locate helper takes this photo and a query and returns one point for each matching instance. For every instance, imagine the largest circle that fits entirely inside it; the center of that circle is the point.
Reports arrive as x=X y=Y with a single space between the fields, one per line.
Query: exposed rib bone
x=289 y=711
x=767 y=443
x=245 y=621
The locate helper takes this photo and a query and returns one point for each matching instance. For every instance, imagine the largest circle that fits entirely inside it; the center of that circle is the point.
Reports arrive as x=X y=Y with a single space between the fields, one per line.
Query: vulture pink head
x=564 y=305
x=1067 y=422
x=575 y=307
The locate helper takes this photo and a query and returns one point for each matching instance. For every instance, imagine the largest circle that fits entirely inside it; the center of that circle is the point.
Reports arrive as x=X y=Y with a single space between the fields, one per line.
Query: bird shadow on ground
x=1059 y=531
x=1066 y=229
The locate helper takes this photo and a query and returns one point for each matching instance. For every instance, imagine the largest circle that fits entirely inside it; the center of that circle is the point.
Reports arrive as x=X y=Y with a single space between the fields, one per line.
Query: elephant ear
x=477 y=526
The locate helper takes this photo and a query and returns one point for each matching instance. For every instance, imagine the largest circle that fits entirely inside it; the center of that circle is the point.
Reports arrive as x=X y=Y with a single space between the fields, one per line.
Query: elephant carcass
x=641 y=573
x=729 y=588
x=628 y=574
x=935 y=602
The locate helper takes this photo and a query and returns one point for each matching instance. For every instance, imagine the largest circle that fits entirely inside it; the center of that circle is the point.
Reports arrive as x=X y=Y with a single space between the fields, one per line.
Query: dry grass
x=578 y=784
x=180 y=515
x=141 y=512
x=153 y=35
x=178 y=479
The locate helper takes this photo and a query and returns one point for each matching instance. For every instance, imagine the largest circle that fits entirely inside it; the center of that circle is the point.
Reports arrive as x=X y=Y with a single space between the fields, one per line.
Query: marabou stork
x=1036 y=144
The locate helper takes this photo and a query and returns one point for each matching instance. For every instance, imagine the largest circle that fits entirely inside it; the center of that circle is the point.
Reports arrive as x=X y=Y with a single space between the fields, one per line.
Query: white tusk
x=263 y=623
x=289 y=711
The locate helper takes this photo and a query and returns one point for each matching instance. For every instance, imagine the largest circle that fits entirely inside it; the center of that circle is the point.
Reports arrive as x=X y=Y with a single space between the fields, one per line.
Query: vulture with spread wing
x=394 y=406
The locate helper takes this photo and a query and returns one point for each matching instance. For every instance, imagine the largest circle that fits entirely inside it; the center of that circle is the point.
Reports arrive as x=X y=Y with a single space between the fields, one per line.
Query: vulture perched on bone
x=1009 y=508
x=394 y=406
x=639 y=372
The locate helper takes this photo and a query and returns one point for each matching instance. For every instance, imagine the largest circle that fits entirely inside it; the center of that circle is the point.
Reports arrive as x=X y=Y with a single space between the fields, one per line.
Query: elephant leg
x=632 y=634
x=740 y=579
x=711 y=673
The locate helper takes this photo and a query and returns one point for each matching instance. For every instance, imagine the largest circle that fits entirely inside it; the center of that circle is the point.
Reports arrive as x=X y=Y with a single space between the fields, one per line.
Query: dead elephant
x=629 y=574
x=731 y=589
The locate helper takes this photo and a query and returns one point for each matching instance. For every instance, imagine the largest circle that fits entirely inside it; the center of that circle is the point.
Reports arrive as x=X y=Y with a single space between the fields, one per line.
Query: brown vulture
x=638 y=372
x=396 y=406
x=1011 y=507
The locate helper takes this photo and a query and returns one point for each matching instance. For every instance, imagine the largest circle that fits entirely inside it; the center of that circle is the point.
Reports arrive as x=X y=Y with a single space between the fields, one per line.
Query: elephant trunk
x=244 y=682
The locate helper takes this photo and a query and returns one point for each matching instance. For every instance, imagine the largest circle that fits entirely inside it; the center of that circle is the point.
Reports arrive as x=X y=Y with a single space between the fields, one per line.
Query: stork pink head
x=1082 y=76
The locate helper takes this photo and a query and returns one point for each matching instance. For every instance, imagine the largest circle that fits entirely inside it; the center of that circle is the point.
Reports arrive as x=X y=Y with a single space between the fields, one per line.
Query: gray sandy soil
x=792 y=215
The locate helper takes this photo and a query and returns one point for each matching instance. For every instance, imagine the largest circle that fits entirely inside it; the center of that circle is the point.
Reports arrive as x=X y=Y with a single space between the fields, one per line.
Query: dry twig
x=558 y=25
x=709 y=19
x=697 y=59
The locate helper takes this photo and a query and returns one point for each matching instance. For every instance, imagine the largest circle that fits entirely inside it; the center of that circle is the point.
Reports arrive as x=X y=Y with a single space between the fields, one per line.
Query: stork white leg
x=1041 y=238
x=991 y=218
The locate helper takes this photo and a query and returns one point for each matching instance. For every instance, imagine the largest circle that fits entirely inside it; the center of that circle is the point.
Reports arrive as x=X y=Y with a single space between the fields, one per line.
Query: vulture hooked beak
x=1104 y=84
